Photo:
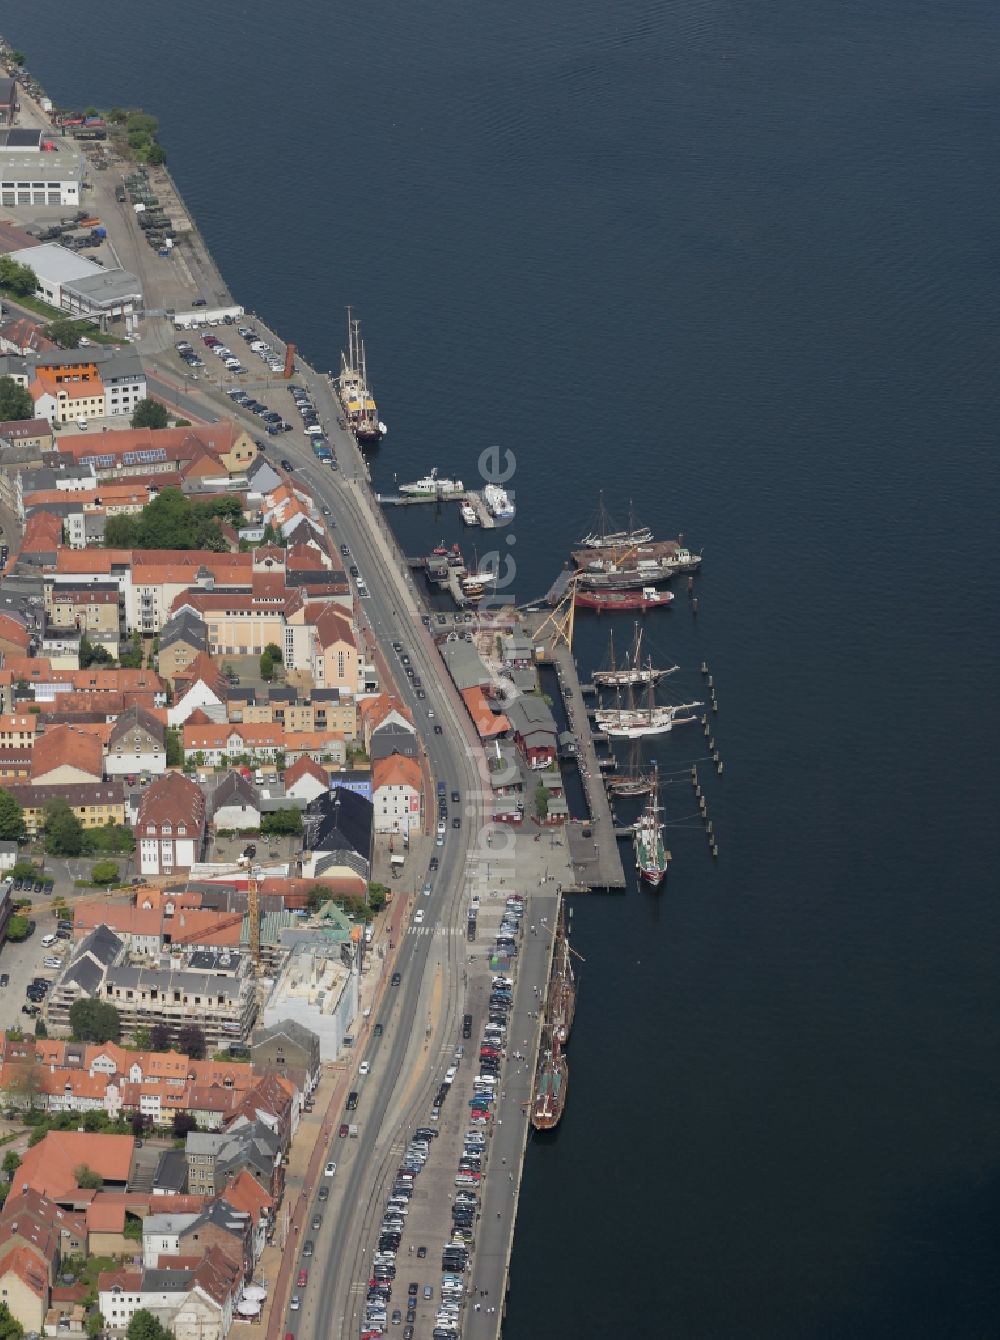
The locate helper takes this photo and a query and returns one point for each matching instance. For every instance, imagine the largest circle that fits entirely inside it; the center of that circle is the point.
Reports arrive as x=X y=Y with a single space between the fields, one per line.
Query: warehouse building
x=78 y=285
x=28 y=177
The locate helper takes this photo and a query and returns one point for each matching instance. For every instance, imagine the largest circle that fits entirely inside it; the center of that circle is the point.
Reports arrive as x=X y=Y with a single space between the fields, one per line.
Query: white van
x=314 y=430
x=48 y=941
x=83 y=424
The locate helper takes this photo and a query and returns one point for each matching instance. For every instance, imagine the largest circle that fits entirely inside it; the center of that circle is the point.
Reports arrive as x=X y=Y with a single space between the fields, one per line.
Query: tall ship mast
x=354 y=390
x=552 y=1072
x=633 y=672
x=603 y=536
x=632 y=723
x=634 y=781
x=651 y=855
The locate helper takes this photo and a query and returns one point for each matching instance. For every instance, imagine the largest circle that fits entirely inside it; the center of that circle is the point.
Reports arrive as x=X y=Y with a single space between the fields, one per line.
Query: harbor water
x=737 y=264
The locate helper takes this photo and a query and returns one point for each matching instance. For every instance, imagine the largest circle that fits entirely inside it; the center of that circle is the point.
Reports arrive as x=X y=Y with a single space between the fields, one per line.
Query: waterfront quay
x=442 y=973
x=593 y=845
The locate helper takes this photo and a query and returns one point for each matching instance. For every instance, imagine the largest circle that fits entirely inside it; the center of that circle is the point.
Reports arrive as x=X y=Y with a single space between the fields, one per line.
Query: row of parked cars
x=33 y=885
x=272 y=420
x=378 y=1296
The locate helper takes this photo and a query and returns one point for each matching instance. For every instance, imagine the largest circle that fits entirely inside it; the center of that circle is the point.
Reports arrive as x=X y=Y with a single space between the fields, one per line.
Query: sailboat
x=632 y=723
x=354 y=391
x=634 y=781
x=633 y=671
x=651 y=855
x=604 y=537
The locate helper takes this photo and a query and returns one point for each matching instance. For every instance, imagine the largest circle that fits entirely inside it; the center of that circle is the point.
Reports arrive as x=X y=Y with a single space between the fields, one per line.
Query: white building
x=74 y=284
x=28 y=177
x=318 y=988
x=397 y=792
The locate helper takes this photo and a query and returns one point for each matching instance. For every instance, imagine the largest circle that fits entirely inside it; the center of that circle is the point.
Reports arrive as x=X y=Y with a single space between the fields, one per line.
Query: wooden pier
x=593 y=845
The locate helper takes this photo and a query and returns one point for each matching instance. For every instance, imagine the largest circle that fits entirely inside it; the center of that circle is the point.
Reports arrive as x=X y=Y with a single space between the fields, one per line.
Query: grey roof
x=18 y=137
x=530 y=713
x=137 y=716
x=234 y=789
x=286 y=1028
x=8 y=91
x=464 y=663
x=102 y=944
x=168 y=1223
x=338 y=820
x=186 y=626
x=167 y=1281
x=262 y=475
x=41 y=167
x=194 y=983
x=109 y=286
x=54 y=263
x=171 y=1171
x=203 y=1142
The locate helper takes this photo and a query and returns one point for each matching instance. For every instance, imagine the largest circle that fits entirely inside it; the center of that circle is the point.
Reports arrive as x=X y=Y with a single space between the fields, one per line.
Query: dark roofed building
x=286 y=1048
x=337 y=832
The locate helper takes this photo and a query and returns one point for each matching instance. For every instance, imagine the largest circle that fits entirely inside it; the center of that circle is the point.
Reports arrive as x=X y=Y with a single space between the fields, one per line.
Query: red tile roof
x=66 y=745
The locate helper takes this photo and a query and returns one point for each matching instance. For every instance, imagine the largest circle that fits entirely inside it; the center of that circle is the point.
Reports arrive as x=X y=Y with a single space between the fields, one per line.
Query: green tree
x=94 y=1325
x=174 y=747
x=63 y=830
x=541 y=801
x=281 y=821
x=142 y=1039
x=12 y=825
x=145 y=1326
x=274 y=651
x=156 y=155
x=65 y=332
x=40 y=1030
x=121 y=532
x=117 y=116
x=15 y=401
x=11 y=1163
x=133 y=1228
x=149 y=414
x=87 y=1179
x=17 y=929
x=132 y=659
x=105 y=872
x=377 y=895
x=94 y=1021
x=166 y=522
x=10 y=1327
x=91 y=654
x=18 y=57
x=266 y=667
x=19 y=279
x=317 y=896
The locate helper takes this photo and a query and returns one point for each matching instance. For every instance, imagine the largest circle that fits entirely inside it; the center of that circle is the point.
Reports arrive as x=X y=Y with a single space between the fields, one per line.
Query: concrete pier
x=593 y=845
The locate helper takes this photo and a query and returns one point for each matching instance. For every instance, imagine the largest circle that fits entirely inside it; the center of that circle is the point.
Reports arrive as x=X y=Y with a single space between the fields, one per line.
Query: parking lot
x=249 y=367
x=22 y=962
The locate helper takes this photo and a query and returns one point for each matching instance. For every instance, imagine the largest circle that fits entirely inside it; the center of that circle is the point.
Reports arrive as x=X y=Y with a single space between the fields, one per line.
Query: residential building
x=534 y=729
x=214 y=1159
x=182 y=638
x=397 y=795
x=317 y=989
x=65 y=756
x=335 y=662
x=136 y=744
x=34 y=433
x=171 y=825
x=200 y=688
x=286 y=1047
x=50 y=1167
x=94 y=803
x=235 y=805
x=337 y=834
x=305 y=780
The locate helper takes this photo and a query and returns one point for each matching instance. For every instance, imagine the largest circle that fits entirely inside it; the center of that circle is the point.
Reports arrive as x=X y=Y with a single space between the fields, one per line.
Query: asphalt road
x=422 y=1016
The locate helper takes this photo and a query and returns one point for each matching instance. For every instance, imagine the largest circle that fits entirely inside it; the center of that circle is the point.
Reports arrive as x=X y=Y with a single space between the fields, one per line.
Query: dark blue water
x=737 y=263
